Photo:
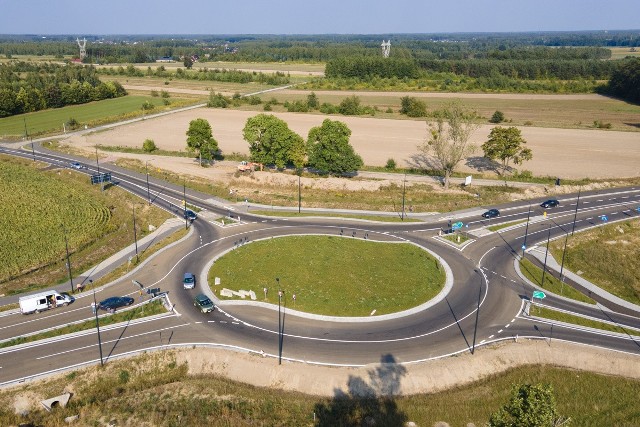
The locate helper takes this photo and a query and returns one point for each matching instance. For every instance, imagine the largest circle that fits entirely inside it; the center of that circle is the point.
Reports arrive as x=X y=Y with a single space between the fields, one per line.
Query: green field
x=91 y=114
x=38 y=206
x=154 y=389
x=607 y=256
x=332 y=275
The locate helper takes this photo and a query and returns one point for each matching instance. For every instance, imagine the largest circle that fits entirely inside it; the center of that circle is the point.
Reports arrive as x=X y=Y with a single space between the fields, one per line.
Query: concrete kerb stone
x=203 y=277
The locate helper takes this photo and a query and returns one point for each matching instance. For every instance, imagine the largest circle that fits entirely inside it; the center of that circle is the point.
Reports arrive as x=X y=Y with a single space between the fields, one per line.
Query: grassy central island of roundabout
x=331 y=275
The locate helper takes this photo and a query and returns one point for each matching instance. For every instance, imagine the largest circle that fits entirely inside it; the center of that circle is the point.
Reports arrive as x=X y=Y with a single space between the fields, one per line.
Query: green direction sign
x=538 y=294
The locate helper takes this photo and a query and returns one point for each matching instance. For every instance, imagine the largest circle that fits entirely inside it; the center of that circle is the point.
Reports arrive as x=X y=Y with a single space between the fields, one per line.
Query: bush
x=73 y=124
x=327 y=108
x=267 y=107
x=350 y=106
x=164 y=94
x=254 y=100
x=217 y=101
x=149 y=146
x=154 y=93
x=413 y=107
x=391 y=164
x=601 y=125
x=147 y=106
x=498 y=117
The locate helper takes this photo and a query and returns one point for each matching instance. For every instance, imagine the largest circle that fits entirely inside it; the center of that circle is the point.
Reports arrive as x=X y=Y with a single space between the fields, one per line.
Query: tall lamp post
x=299 y=192
x=544 y=268
x=279 y=323
x=95 y=312
x=66 y=246
x=526 y=231
x=575 y=213
x=135 y=235
x=404 y=187
x=146 y=168
x=184 y=197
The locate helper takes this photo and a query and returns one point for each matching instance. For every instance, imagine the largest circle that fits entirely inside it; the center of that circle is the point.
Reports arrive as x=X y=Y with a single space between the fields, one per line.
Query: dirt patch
x=566 y=153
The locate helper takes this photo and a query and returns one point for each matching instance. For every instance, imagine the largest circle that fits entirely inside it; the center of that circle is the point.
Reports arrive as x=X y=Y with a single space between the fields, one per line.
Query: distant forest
x=556 y=62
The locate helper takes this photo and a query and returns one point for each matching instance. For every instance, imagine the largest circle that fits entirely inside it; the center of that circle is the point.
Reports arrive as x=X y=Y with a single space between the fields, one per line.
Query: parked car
x=76 y=165
x=189 y=281
x=190 y=215
x=204 y=304
x=110 y=304
x=491 y=213
x=551 y=203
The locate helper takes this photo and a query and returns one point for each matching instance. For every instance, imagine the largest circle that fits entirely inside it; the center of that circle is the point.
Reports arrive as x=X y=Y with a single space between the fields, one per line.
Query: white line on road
x=491 y=336
x=500 y=330
x=507 y=325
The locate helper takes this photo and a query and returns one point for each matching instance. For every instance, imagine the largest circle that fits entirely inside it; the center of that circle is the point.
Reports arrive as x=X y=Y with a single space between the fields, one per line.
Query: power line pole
x=66 y=246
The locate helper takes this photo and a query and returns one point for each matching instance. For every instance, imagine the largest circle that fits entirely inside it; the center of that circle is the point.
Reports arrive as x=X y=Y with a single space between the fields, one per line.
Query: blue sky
x=313 y=17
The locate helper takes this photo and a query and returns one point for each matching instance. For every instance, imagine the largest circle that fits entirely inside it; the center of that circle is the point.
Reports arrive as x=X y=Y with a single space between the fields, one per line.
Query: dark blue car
x=110 y=304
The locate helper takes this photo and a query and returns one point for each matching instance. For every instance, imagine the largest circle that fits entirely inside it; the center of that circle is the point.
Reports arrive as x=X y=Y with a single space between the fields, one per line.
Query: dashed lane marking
x=500 y=330
x=491 y=336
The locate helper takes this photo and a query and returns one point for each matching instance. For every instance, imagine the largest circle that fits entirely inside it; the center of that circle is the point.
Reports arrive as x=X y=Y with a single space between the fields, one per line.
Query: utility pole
x=562 y=264
x=66 y=246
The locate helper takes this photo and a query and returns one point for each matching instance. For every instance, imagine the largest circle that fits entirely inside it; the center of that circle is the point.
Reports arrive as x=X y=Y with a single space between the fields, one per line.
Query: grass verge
x=606 y=255
x=547 y=313
x=454 y=238
x=380 y=218
x=505 y=225
x=551 y=284
x=343 y=276
x=150 y=309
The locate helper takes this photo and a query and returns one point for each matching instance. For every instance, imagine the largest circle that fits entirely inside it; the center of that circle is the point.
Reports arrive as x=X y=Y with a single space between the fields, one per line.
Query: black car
x=551 y=203
x=190 y=215
x=110 y=304
x=491 y=213
x=203 y=303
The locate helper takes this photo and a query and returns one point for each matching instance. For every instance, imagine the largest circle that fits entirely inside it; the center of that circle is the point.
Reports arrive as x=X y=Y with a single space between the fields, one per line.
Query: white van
x=42 y=301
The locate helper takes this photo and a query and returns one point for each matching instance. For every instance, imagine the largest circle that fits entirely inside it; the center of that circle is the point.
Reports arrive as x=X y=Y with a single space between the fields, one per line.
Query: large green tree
x=448 y=139
x=625 y=80
x=272 y=142
x=529 y=406
x=506 y=144
x=329 y=148
x=200 y=139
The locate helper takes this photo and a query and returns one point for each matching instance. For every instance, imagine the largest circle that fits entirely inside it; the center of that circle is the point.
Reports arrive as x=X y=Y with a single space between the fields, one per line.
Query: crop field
x=39 y=207
x=93 y=113
x=622 y=52
x=361 y=275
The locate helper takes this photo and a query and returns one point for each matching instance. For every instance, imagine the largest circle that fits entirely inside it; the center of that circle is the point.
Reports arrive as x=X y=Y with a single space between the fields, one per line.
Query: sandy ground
x=398 y=379
x=565 y=153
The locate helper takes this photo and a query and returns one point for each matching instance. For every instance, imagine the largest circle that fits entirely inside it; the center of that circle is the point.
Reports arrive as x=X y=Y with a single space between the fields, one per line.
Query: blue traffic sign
x=604 y=218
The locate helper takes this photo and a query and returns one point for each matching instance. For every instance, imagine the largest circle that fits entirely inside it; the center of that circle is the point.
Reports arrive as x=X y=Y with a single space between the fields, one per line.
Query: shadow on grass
x=366 y=402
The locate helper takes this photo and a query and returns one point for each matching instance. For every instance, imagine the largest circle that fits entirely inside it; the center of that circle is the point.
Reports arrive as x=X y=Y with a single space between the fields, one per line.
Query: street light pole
x=475 y=329
x=575 y=213
x=404 y=186
x=95 y=311
x=184 y=198
x=562 y=264
x=146 y=168
x=526 y=231
x=544 y=268
x=33 y=152
x=279 y=323
x=66 y=246
x=299 y=192
x=135 y=236
x=97 y=162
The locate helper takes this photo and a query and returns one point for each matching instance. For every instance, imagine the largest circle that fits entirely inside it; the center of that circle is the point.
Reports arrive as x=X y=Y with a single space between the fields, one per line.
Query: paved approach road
x=485 y=302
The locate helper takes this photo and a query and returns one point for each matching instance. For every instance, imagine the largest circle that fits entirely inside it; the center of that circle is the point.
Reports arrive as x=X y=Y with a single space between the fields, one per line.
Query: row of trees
x=26 y=87
x=271 y=142
x=203 y=74
x=625 y=81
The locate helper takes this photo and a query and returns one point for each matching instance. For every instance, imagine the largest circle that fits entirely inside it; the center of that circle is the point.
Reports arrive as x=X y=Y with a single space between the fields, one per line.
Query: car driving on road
x=190 y=215
x=204 y=304
x=189 y=281
x=76 y=165
x=110 y=304
x=491 y=213
x=551 y=203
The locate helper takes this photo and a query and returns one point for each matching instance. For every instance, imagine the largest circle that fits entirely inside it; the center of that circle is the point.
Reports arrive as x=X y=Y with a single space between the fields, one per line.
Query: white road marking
x=507 y=325
x=491 y=336
x=500 y=330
